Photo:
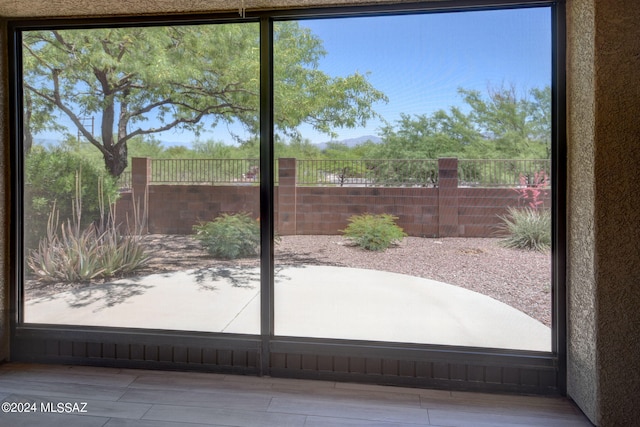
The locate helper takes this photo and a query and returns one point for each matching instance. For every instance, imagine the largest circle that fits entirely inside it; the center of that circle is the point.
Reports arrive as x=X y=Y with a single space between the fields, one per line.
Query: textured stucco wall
x=617 y=212
x=604 y=209
x=71 y=8
x=582 y=381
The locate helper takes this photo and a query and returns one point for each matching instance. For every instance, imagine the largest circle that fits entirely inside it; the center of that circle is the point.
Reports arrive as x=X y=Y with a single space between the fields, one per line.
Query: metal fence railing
x=501 y=173
x=124 y=180
x=348 y=173
x=205 y=171
x=383 y=173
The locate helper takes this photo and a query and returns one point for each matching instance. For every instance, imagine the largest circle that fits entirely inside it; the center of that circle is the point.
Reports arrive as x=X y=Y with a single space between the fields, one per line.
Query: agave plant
x=70 y=254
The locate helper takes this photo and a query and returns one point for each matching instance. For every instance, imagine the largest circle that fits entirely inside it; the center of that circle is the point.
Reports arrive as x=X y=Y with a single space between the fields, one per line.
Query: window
x=298 y=193
x=131 y=218
x=452 y=147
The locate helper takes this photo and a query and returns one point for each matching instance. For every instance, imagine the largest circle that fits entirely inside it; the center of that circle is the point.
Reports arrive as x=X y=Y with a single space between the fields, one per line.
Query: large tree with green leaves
x=141 y=81
x=500 y=123
x=514 y=125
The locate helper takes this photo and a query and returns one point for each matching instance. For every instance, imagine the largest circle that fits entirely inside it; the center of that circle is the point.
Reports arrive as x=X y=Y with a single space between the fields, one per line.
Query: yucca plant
x=70 y=254
x=527 y=228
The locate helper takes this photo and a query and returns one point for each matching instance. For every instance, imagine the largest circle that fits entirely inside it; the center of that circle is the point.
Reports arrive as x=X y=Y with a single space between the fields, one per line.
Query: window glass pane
x=141 y=196
x=438 y=124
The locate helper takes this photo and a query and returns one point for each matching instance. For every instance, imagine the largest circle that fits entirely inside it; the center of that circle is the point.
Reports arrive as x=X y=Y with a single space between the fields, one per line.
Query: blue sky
x=420 y=61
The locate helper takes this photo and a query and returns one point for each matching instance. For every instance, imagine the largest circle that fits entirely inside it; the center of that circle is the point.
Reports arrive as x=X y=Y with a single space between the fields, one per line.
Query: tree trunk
x=116 y=159
x=27 y=141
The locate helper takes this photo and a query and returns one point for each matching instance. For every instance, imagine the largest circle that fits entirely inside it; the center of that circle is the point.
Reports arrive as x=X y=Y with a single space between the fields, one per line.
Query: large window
x=425 y=219
x=297 y=190
x=133 y=217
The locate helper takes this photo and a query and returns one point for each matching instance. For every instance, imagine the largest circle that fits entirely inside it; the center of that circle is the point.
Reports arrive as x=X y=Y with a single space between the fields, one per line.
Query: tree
x=51 y=176
x=517 y=126
x=141 y=81
x=427 y=136
x=500 y=124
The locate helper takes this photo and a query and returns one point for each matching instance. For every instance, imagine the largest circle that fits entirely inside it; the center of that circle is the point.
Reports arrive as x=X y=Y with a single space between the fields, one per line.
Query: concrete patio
x=314 y=301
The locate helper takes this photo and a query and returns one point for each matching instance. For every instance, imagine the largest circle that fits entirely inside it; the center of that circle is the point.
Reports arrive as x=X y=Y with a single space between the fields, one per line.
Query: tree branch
x=76 y=121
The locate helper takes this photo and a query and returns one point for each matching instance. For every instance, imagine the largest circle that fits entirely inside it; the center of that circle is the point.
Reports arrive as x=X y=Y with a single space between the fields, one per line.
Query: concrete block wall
x=446 y=211
x=326 y=210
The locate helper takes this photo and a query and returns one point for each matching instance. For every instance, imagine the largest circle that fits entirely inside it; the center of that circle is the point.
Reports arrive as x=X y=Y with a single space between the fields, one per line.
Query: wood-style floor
x=85 y=396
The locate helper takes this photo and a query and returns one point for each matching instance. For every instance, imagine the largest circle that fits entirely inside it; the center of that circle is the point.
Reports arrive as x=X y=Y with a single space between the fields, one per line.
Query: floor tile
x=502 y=404
x=223 y=417
x=351 y=396
x=50 y=420
x=474 y=419
x=71 y=377
x=60 y=390
x=228 y=400
x=98 y=408
x=361 y=411
x=313 y=421
x=145 y=423
x=142 y=398
x=172 y=381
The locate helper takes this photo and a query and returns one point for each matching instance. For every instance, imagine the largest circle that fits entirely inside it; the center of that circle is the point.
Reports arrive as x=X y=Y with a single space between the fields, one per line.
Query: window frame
x=421 y=365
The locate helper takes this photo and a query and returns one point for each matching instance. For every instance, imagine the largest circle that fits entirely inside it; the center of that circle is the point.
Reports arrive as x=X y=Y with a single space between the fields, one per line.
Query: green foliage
x=145 y=147
x=303 y=93
x=70 y=253
x=230 y=236
x=527 y=229
x=340 y=151
x=500 y=124
x=216 y=150
x=374 y=232
x=516 y=126
x=79 y=256
x=50 y=180
x=296 y=147
x=419 y=137
x=145 y=80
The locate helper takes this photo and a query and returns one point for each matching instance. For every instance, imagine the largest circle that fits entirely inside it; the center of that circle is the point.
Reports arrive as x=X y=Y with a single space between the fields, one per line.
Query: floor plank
x=141 y=398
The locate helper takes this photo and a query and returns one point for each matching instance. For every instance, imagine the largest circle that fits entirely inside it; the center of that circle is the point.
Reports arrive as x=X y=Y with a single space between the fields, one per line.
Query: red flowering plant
x=533 y=189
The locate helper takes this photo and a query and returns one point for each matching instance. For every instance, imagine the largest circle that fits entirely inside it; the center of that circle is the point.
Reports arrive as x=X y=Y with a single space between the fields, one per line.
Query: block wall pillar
x=287 y=181
x=140 y=180
x=448 y=197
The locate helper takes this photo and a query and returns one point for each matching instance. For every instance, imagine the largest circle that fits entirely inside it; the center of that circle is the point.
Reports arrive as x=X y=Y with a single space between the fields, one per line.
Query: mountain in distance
x=351 y=142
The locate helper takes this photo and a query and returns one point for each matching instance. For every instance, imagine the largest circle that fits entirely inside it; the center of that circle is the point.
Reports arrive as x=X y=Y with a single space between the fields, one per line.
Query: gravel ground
x=521 y=279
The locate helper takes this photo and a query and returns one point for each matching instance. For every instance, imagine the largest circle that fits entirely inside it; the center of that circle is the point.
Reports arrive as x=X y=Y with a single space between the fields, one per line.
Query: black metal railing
x=205 y=171
x=371 y=173
x=349 y=173
x=501 y=172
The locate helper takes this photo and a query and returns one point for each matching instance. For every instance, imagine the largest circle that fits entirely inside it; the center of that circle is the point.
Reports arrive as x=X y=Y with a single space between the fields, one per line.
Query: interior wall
x=582 y=384
x=604 y=225
x=4 y=197
x=617 y=216
x=66 y=8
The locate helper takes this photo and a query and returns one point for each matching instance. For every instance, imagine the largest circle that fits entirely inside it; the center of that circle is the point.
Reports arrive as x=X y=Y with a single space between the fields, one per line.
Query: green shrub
x=527 y=229
x=50 y=179
x=374 y=232
x=230 y=236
